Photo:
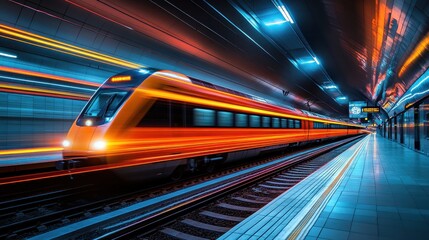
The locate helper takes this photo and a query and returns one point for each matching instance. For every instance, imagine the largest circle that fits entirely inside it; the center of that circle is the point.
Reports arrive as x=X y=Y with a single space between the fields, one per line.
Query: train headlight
x=66 y=143
x=99 y=145
x=88 y=122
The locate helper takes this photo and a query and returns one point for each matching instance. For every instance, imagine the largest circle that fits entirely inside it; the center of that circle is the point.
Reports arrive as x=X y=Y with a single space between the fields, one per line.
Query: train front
x=101 y=119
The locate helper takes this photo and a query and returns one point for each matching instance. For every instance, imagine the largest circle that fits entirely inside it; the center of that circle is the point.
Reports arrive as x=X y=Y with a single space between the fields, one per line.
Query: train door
x=401 y=128
x=395 y=128
x=384 y=129
x=416 y=128
x=424 y=126
x=388 y=129
x=409 y=128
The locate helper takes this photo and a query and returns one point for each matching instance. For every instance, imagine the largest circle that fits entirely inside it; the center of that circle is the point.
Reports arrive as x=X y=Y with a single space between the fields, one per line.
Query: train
x=168 y=123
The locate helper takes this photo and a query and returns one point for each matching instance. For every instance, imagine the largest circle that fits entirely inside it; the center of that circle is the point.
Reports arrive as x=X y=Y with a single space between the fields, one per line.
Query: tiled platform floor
x=383 y=195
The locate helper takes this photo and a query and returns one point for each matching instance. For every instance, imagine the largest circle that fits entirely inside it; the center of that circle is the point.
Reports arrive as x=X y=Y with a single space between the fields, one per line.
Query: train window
x=177 y=114
x=266 y=122
x=317 y=125
x=103 y=106
x=255 y=121
x=157 y=116
x=204 y=117
x=224 y=119
x=240 y=120
x=276 y=123
x=283 y=123
x=291 y=123
x=297 y=124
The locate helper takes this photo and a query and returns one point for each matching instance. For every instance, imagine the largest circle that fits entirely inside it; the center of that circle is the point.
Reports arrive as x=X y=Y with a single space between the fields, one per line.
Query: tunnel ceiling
x=333 y=52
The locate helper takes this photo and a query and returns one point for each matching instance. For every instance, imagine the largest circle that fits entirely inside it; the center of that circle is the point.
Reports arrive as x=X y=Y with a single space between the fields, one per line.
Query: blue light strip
x=285 y=13
x=278 y=22
x=316 y=60
x=282 y=9
x=45 y=83
x=239 y=29
x=7 y=55
x=330 y=87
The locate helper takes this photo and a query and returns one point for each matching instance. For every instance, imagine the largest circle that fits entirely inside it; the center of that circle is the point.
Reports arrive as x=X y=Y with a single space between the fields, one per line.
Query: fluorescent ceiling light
x=307 y=62
x=285 y=13
x=330 y=87
x=317 y=61
x=278 y=22
x=341 y=98
x=7 y=55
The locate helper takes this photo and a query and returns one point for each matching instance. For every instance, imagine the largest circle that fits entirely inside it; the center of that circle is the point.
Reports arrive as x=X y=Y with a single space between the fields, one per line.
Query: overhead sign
x=371 y=109
x=355 y=109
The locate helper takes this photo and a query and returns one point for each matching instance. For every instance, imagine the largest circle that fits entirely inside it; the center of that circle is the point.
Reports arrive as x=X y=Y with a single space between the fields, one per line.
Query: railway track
x=214 y=219
x=42 y=213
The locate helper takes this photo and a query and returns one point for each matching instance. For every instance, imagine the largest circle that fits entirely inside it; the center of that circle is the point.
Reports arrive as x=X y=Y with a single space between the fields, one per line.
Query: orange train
x=167 y=123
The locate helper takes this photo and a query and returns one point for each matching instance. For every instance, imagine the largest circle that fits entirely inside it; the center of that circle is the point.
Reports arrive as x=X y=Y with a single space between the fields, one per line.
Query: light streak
x=49 y=76
x=316 y=60
x=89 y=10
x=44 y=42
x=41 y=92
x=285 y=13
x=239 y=29
x=45 y=83
x=7 y=55
x=278 y=22
x=179 y=97
x=29 y=150
x=417 y=52
x=172 y=76
x=196 y=148
x=307 y=62
x=217 y=104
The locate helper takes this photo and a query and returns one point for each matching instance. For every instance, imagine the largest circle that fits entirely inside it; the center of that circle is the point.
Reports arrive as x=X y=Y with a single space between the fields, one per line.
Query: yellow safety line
x=304 y=221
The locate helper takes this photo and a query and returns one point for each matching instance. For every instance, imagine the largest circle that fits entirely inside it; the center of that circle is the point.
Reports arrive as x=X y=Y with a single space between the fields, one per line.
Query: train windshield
x=103 y=106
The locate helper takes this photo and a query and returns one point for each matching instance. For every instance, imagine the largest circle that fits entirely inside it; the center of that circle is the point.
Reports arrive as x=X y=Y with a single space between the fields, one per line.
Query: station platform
x=377 y=189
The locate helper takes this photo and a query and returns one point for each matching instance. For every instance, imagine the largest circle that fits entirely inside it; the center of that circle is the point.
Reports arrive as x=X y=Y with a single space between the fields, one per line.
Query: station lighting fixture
x=330 y=87
x=316 y=60
x=276 y=22
x=285 y=13
x=7 y=55
x=307 y=60
x=341 y=98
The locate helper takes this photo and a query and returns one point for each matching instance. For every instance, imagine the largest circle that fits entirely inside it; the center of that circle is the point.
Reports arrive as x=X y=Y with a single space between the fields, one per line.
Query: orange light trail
x=418 y=51
x=41 y=92
x=34 y=39
x=48 y=76
x=29 y=150
x=183 y=80
x=207 y=102
x=198 y=149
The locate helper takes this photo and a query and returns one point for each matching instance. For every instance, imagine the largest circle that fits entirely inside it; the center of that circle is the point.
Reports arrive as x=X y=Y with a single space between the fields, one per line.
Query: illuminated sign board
x=355 y=109
x=120 y=78
x=371 y=109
